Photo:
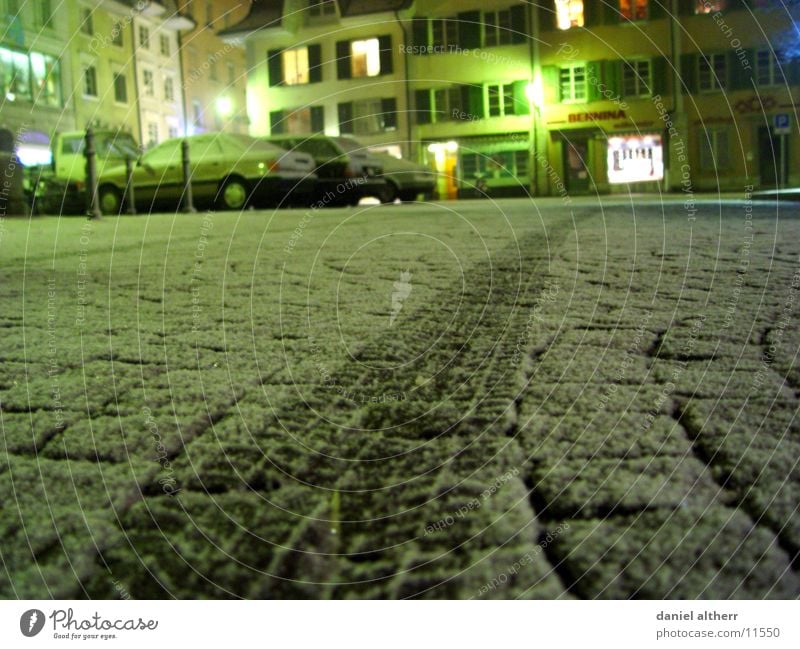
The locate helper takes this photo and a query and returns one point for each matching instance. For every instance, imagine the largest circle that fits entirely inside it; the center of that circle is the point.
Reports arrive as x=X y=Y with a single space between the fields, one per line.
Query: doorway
x=773 y=158
x=576 y=162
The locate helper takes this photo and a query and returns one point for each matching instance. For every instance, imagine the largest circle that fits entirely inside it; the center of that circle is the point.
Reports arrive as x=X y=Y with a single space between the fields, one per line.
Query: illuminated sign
x=596 y=116
x=635 y=158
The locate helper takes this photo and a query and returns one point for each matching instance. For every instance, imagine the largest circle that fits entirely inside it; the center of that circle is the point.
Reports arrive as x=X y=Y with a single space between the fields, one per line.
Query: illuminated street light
x=224 y=106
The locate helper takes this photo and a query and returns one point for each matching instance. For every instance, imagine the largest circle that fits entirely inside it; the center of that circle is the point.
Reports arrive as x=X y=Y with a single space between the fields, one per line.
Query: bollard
x=188 y=201
x=93 y=211
x=129 y=190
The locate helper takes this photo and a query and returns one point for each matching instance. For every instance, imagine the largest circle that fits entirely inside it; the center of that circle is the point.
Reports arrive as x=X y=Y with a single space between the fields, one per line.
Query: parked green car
x=228 y=171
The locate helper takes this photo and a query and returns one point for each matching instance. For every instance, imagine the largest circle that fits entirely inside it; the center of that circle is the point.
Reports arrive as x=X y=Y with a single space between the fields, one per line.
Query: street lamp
x=224 y=107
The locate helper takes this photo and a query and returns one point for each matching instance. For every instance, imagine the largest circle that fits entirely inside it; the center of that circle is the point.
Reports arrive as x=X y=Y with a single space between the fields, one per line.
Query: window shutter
x=423 y=106
x=317 y=119
x=689 y=72
x=612 y=77
x=386 y=54
x=469 y=29
x=275 y=67
x=659 y=76
x=550 y=84
x=314 y=63
x=346 y=118
x=519 y=24
x=343 y=67
x=594 y=77
x=739 y=77
x=277 y=125
x=522 y=105
x=419 y=34
x=389 y=110
x=472 y=101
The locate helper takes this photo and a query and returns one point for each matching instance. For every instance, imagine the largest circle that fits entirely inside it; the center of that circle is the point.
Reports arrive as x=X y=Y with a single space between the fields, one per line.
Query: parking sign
x=781 y=124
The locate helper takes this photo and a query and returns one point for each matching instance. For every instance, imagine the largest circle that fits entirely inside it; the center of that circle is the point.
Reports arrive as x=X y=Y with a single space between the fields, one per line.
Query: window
x=321 y=7
x=87 y=21
x=714 y=149
x=295 y=66
x=15 y=81
x=444 y=32
x=169 y=89
x=713 y=70
x=709 y=6
x=572 y=83
x=298 y=122
x=120 y=88
x=569 y=13
x=371 y=116
x=197 y=113
x=365 y=58
x=502 y=164
x=768 y=71
x=144 y=38
x=231 y=74
x=90 y=81
x=448 y=104
x=164 y=45
x=43 y=13
x=501 y=100
x=152 y=134
x=116 y=35
x=636 y=78
x=634 y=9
x=635 y=158
x=46 y=79
x=148 y=82
x=497 y=28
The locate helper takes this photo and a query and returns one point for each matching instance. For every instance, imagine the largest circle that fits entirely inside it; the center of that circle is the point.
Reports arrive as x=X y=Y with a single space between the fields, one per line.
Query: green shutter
x=660 y=73
x=423 y=106
x=550 y=84
x=689 y=73
x=345 y=110
x=389 y=111
x=317 y=119
x=387 y=58
x=522 y=105
x=276 y=123
x=315 y=63
x=275 y=67
x=594 y=77
x=343 y=68
x=739 y=77
x=472 y=101
x=419 y=34
x=612 y=77
x=469 y=29
x=519 y=24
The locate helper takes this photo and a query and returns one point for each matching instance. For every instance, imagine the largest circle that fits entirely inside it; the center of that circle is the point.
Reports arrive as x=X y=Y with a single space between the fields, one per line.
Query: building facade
x=547 y=97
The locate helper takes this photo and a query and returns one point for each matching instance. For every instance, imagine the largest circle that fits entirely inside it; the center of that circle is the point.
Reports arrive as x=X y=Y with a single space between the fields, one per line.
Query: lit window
x=569 y=13
x=90 y=81
x=87 y=21
x=144 y=37
x=768 y=72
x=46 y=79
x=635 y=159
x=149 y=83
x=712 y=73
x=572 y=83
x=714 y=149
x=497 y=28
x=120 y=88
x=634 y=9
x=501 y=100
x=709 y=6
x=636 y=78
x=295 y=66
x=164 y=41
x=15 y=81
x=169 y=89
x=366 y=58
x=321 y=7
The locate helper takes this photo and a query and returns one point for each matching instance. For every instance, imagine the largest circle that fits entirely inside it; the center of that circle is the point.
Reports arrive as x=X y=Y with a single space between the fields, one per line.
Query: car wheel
x=408 y=196
x=110 y=199
x=233 y=194
x=388 y=193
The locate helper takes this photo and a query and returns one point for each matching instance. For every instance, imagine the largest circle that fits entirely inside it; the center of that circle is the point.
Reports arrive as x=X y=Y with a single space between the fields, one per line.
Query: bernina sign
x=596 y=116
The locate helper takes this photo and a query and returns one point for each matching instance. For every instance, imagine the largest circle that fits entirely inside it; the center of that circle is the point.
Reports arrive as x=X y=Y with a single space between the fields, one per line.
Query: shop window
x=635 y=158
x=447 y=104
x=709 y=6
x=572 y=83
x=712 y=72
x=501 y=100
x=87 y=21
x=497 y=28
x=90 y=81
x=569 y=13
x=634 y=9
x=496 y=165
x=768 y=70
x=295 y=66
x=365 y=58
x=46 y=72
x=714 y=149
x=321 y=7
x=636 y=78
x=120 y=88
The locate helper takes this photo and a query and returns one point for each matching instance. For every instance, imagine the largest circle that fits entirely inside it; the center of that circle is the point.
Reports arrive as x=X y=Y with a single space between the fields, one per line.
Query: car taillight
x=274 y=165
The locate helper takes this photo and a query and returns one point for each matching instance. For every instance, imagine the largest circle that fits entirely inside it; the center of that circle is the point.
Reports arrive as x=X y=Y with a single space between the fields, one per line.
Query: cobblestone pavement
x=461 y=400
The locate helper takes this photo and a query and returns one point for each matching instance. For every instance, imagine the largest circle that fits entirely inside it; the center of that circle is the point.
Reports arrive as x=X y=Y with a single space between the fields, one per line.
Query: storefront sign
x=596 y=116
